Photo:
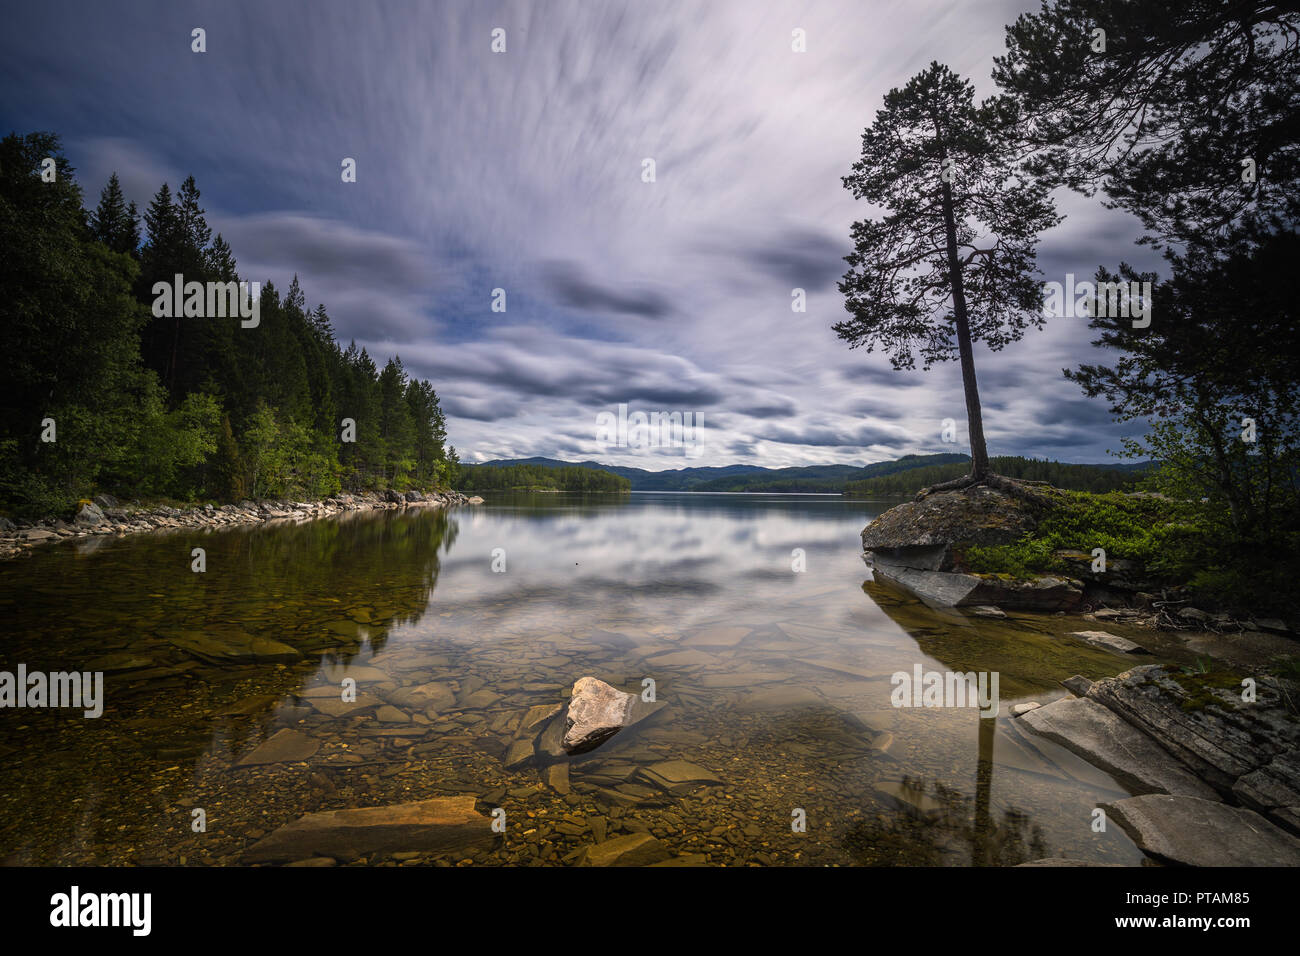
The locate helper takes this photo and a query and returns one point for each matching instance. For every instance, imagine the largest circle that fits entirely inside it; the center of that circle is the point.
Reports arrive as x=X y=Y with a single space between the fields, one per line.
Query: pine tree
x=951 y=262
x=113 y=222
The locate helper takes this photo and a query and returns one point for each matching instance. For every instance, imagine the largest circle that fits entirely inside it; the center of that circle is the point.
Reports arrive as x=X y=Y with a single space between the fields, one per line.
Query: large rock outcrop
x=1190 y=740
x=917 y=545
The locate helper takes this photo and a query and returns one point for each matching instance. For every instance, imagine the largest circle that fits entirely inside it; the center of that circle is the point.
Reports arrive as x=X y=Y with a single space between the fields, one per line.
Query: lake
x=754 y=617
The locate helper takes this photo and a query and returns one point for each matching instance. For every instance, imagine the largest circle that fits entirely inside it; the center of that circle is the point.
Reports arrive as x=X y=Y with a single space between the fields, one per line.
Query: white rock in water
x=597 y=711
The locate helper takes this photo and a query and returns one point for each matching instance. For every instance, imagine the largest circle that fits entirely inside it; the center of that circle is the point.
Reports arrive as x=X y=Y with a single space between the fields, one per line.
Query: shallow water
x=777 y=685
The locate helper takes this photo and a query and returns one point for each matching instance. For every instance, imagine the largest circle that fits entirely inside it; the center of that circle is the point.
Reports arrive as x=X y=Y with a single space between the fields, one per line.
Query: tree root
x=1026 y=491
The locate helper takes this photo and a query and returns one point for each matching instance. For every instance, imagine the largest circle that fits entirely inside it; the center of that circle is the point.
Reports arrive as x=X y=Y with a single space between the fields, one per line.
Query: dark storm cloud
x=344 y=254
x=858 y=437
x=775 y=409
x=575 y=289
x=801 y=259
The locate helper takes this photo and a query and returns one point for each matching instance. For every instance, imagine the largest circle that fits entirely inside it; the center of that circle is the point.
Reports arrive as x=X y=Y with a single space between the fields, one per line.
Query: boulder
x=597 y=711
x=89 y=515
x=437 y=824
x=1193 y=832
x=393 y=497
x=106 y=502
x=924 y=533
x=413 y=496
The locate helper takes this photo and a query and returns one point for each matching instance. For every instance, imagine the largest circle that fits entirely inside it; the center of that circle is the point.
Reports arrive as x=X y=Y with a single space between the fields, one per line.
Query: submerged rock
x=909 y=797
x=635 y=849
x=232 y=647
x=956 y=589
x=678 y=776
x=284 y=746
x=437 y=824
x=1064 y=861
x=1108 y=641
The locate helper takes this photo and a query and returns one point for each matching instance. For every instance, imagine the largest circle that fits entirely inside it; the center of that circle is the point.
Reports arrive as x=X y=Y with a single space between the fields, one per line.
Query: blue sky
x=522 y=170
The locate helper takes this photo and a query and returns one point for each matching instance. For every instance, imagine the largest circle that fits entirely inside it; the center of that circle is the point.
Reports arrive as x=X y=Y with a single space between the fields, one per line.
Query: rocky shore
x=919 y=546
x=105 y=515
x=1214 y=767
x=1211 y=757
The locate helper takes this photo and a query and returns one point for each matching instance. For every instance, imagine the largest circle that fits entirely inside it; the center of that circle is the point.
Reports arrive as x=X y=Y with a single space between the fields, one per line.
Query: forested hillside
x=1095 y=478
x=102 y=395
x=539 y=477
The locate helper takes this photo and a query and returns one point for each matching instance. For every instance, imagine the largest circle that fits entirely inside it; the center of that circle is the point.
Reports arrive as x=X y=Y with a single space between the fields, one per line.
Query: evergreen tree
x=1184 y=111
x=951 y=262
x=115 y=223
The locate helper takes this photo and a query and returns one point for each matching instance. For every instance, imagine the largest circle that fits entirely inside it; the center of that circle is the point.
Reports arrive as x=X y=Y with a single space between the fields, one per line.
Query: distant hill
x=905 y=475
x=826 y=479
x=1094 y=478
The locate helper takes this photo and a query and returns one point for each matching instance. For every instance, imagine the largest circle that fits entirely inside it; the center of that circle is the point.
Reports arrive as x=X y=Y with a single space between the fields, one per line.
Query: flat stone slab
x=636 y=849
x=1064 y=861
x=335 y=706
x=518 y=753
x=848 y=669
x=954 y=589
x=675 y=775
x=719 y=636
x=233 y=647
x=910 y=798
x=361 y=673
x=690 y=658
x=441 y=823
x=781 y=697
x=284 y=746
x=1110 y=642
x=1195 y=832
x=1218 y=742
x=1090 y=730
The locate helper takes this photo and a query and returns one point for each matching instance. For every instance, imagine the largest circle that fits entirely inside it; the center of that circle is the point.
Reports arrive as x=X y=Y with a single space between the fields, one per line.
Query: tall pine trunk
x=979 y=456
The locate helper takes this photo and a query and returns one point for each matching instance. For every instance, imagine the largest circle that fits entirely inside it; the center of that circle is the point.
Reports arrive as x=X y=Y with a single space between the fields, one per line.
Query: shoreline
x=105 y=517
